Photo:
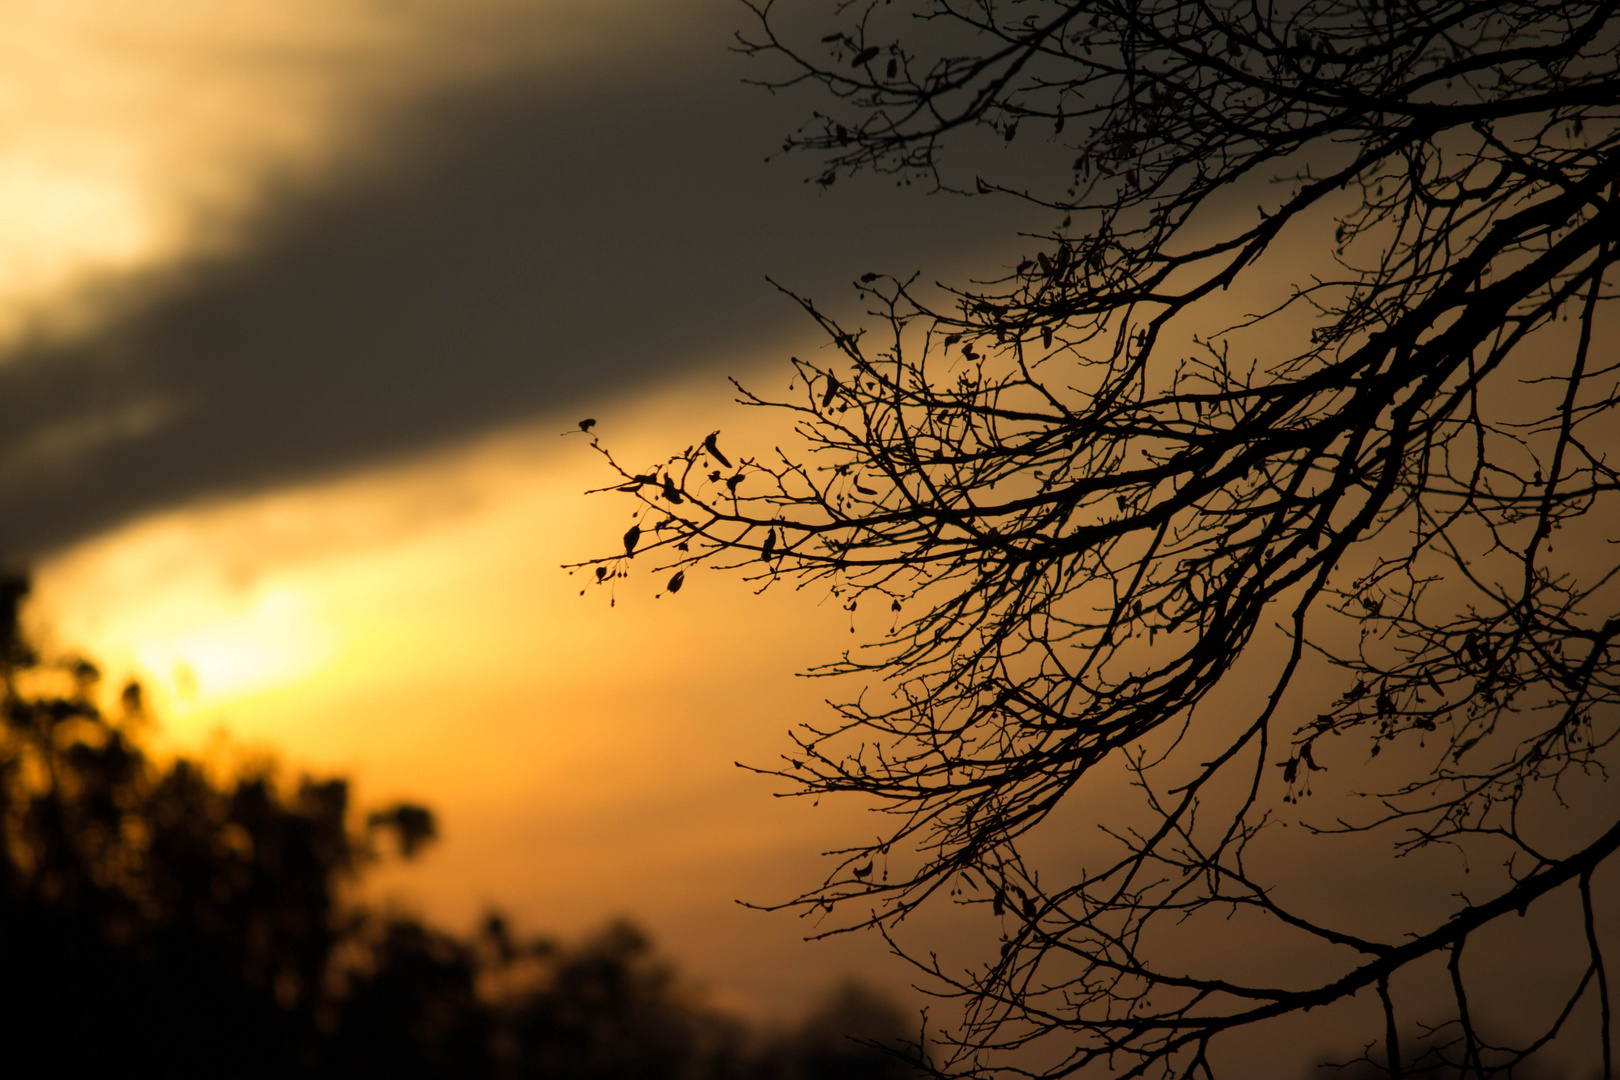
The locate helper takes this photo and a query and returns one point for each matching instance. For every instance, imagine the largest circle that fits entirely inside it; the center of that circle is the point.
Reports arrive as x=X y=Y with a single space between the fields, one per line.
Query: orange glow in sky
x=411 y=627
x=406 y=624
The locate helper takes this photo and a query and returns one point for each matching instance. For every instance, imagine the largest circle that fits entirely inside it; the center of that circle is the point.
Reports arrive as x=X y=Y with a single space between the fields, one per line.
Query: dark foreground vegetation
x=156 y=919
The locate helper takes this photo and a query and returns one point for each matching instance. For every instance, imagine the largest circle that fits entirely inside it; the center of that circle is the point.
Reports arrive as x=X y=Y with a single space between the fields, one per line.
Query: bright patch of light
x=207 y=657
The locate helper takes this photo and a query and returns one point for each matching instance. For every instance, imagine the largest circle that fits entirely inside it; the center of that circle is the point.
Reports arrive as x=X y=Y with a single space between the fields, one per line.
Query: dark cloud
x=541 y=245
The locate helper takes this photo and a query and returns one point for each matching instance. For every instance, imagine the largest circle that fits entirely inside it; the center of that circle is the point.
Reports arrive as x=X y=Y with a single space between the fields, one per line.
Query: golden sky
x=411 y=627
x=404 y=621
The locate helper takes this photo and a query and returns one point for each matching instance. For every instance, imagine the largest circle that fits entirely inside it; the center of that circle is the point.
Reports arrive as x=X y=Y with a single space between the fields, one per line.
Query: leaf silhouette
x=833 y=387
x=714 y=450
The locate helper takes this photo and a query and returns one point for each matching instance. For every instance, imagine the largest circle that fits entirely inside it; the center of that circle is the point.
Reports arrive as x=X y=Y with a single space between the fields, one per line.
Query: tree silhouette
x=158 y=920
x=853 y=1035
x=151 y=913
x=1213 y=497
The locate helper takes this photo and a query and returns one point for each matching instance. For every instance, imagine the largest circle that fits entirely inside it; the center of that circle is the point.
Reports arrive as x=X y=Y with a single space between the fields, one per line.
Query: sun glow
x=364 y=619
x=210 y=656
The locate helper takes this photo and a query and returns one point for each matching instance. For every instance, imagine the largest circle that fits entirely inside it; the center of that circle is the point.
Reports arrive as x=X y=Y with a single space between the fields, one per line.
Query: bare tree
x=1133 y=477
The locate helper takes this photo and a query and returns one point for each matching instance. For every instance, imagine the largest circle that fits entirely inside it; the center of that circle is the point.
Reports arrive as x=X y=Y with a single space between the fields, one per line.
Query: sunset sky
x=295 y=305
x=300 y=304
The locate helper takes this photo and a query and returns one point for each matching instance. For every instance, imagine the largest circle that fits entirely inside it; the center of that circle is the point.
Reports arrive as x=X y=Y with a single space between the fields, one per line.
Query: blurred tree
x=610 y=1008
x=155 y=920
x=852 y=1035
x=1210 y=496
x=151 y=913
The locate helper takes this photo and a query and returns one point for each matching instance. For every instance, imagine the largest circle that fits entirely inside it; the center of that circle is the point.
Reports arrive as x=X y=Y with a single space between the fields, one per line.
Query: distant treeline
x=158 y=920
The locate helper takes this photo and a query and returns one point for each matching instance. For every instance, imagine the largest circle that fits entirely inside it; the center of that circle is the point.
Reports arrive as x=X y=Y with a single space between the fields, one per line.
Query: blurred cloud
x=358 y=230
x=139 y=132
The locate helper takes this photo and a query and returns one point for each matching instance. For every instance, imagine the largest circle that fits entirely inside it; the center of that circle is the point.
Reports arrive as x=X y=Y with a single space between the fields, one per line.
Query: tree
x=151 y=913
x=158 y=920
x=1136 y=507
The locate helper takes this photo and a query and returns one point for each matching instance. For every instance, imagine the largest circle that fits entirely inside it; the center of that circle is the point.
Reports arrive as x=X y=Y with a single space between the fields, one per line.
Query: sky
x=295 y=306
x=299 y=308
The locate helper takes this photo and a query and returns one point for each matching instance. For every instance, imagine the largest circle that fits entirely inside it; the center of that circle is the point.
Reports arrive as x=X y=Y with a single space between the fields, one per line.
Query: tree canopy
x=1279 y=463
x=158 y=919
